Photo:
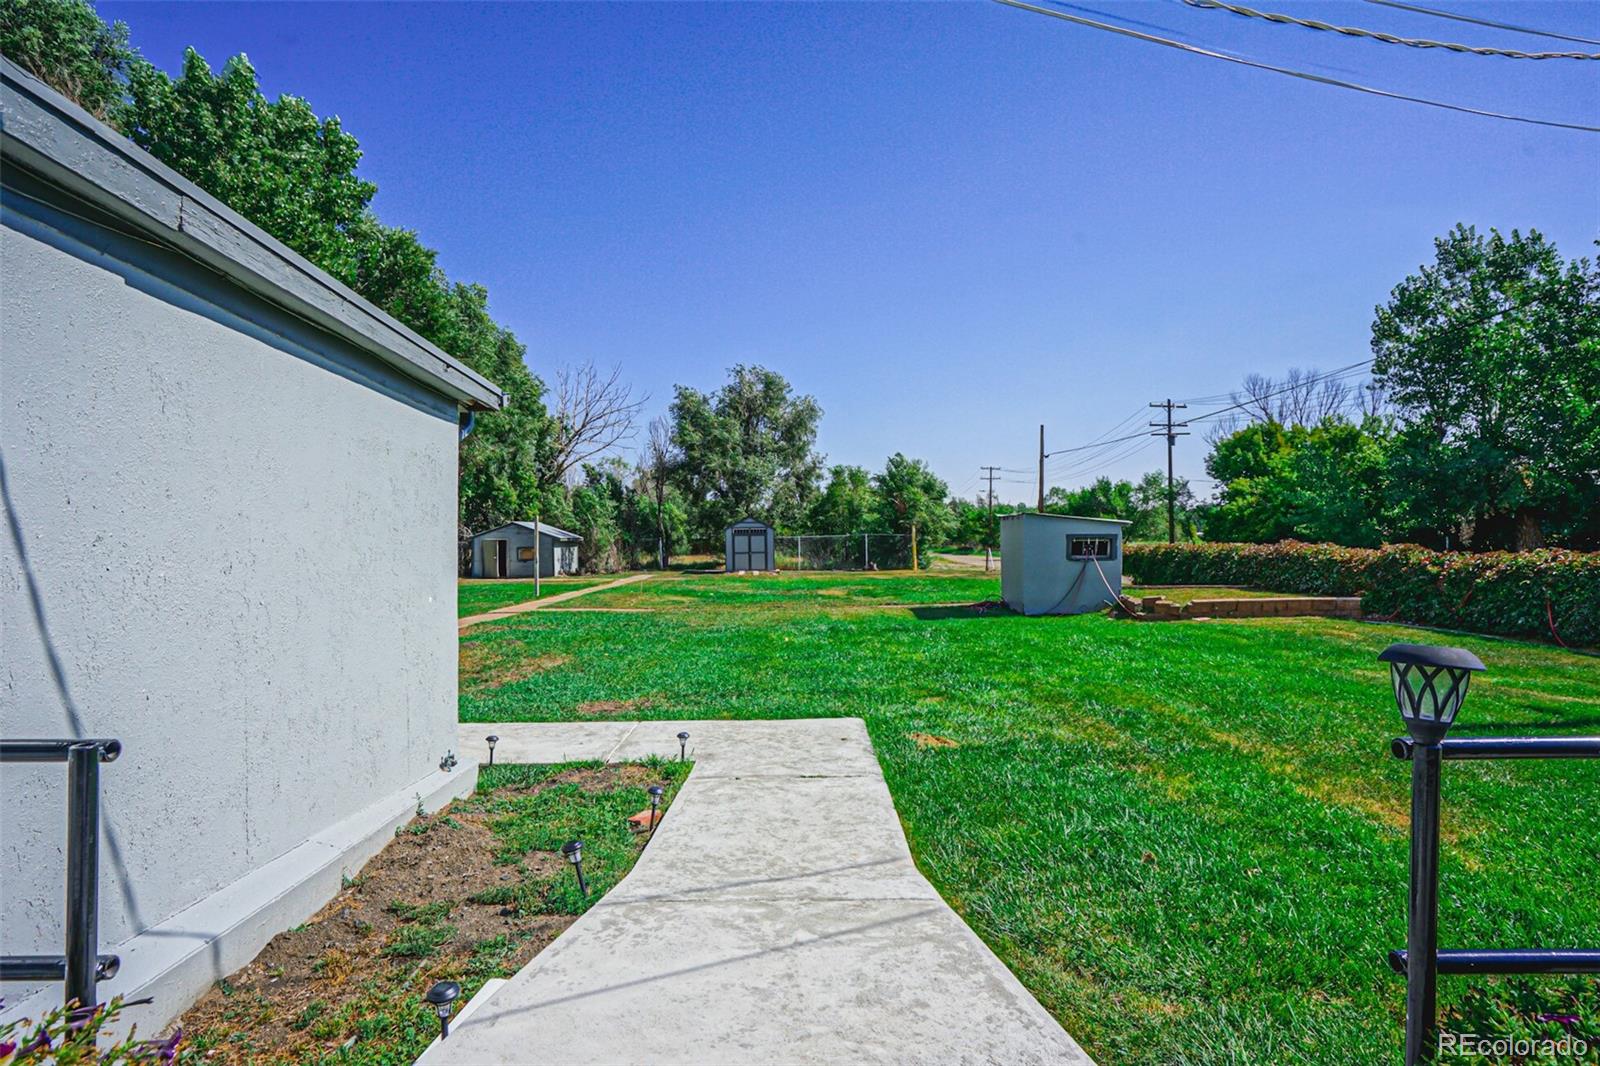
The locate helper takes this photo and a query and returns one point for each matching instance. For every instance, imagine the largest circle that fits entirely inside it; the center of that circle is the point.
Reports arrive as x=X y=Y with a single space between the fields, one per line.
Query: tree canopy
x=1491 y=354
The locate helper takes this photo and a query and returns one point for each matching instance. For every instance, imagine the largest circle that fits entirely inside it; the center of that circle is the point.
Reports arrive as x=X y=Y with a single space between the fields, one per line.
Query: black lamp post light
x=683 y=747
x=442 y=997
x=1430 y=685
x=573 y=850
x=493 y=740
x=656 y=792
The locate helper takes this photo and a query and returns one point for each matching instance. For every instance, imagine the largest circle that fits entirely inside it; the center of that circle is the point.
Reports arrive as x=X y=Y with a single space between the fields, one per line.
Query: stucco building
x=231 y=492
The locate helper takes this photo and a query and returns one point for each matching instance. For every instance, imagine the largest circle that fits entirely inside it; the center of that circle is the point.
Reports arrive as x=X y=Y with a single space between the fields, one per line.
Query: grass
x=477 y=596
x=1188 y=840
x=347 y=986
x=1187 y=593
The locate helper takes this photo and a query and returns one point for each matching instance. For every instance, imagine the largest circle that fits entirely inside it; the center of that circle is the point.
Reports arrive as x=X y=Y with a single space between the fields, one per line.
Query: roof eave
x=43 y=132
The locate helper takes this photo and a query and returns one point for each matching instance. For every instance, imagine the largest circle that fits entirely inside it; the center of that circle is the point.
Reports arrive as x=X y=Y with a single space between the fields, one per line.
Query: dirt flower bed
x=469 y=893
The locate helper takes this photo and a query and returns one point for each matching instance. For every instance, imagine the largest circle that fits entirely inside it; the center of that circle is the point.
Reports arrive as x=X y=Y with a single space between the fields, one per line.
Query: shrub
x=1506 y=593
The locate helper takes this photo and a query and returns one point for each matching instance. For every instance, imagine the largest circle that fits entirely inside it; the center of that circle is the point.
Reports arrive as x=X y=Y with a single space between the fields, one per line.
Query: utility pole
x=988 y=529
x=1172 y=431
x=988 y=476
x=1041 y=470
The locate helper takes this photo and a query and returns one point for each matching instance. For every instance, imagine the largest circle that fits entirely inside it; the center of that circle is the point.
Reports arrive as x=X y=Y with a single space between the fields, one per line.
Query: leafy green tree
x=1492 y=356
x=849 y=503
x=1320 y=483
x=748 y=448
x=69 y=47
x=275 y=162
x=1335 y=483
x=911 y=495
x=1149 y=515
x=1249 y=463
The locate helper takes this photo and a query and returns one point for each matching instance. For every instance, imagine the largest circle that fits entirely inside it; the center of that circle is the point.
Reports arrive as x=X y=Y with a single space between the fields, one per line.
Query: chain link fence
x=844 y=551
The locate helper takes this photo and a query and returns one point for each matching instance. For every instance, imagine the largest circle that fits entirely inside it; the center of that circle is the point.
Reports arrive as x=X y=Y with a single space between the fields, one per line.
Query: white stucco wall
x=242 y=536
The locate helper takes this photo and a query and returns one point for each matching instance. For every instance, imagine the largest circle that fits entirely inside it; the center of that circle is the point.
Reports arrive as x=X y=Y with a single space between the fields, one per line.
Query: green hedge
x=1495 y=592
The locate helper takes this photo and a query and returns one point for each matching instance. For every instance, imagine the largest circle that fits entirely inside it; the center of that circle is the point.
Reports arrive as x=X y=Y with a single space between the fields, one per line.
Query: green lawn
x=1187 y=839
x=475 y=597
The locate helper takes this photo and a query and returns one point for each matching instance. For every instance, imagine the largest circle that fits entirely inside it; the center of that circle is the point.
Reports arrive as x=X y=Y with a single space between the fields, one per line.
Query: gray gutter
x=43 y=132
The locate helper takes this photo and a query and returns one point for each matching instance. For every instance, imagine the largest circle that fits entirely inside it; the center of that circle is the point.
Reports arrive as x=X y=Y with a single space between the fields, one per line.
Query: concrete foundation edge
x=175 y=962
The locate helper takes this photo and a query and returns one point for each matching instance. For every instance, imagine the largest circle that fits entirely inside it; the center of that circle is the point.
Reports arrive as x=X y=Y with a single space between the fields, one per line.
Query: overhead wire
x=1458 y=17
x=1319 y=79
x=1280 y=19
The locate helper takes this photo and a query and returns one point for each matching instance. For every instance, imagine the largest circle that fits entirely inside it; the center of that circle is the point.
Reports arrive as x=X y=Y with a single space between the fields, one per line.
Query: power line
x=1376 y=35
x=1483 y=22
x=1317 y=379
x=1289 y=72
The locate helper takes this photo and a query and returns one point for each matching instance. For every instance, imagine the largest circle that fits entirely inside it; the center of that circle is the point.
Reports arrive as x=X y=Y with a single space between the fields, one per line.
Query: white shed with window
x=1059 y=564
x=748 y=545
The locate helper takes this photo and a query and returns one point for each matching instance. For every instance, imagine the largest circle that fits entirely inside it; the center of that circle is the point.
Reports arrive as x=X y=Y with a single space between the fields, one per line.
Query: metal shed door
x=750 y=549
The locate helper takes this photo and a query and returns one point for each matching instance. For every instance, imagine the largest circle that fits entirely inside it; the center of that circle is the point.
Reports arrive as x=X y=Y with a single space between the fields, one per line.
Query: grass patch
x=467 y=894
x=475 y=596
x=1188 y=841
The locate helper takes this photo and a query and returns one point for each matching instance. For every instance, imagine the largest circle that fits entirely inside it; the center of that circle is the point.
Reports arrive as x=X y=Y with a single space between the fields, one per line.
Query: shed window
x=1104 y=547
x=525 y=555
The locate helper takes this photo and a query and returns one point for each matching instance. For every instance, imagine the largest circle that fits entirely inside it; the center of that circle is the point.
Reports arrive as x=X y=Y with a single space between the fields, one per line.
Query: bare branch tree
x=660 y=457
x=594 y=413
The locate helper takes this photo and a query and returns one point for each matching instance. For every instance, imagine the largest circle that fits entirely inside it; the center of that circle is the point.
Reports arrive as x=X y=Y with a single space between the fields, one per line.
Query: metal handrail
x=82 y=965
x=1422 y=911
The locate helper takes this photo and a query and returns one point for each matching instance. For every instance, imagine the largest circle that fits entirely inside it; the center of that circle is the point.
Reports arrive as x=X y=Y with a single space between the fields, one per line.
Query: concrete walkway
x=547 y=601
x=777 y=917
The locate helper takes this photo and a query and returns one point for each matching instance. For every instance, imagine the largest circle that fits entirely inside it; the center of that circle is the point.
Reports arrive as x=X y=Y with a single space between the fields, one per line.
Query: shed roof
x=44 y=133
x=1072 y=517
x=749 y=520
x=541 y=527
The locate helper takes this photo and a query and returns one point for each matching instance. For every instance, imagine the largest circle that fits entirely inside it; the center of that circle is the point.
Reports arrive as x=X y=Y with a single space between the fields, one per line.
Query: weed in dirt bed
x=467 y=894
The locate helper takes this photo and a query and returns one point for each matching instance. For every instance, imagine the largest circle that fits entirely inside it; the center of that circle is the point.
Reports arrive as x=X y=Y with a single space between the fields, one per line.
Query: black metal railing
x=82 y=965
x=1421 y=961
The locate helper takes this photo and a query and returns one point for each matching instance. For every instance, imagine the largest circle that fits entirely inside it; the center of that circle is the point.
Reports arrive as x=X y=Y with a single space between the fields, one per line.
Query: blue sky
x=948 y=222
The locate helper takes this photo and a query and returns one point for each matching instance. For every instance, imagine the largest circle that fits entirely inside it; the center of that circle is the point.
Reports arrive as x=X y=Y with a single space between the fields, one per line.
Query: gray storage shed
x=508 y=551
x=230 y=487
x=1059 y=564
x=748 y=545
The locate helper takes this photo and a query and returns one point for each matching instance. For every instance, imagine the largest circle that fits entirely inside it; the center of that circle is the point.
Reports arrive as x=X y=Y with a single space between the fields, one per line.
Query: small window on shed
x=1103 y=547
x=525 y=555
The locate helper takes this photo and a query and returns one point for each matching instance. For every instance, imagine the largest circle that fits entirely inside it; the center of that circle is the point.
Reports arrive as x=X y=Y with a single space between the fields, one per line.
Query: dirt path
x=548 y=601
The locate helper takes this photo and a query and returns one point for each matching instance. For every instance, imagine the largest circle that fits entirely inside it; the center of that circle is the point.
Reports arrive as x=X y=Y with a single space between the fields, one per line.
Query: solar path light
x=442 y=996
x=683 y=747
x=573 y=850
x=656 y=792
x=493 y=740
x=1430 y=685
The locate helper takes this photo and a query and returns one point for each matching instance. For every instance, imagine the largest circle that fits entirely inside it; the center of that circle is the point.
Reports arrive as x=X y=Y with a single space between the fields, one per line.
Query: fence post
x=799 y=553
x=1422 y=908
x=866 y=553
x=914 y=546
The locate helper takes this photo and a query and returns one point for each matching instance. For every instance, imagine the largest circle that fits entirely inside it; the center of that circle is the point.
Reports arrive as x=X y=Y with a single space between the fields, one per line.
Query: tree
x=1321 y=483
x=911 y=495
x=275 y=162
x=594 y=413
x=656 y=469
x=849 y=504
x=748 y=448
x=1492 y=356
x=1149 y=514
x=67 y=46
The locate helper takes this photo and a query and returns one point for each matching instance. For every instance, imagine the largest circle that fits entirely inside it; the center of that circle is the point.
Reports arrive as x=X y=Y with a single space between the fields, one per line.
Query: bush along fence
x=1550 y=593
